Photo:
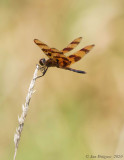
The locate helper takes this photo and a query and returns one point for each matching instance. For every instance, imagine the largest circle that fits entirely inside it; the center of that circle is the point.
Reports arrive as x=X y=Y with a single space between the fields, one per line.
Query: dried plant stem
x=25 y=107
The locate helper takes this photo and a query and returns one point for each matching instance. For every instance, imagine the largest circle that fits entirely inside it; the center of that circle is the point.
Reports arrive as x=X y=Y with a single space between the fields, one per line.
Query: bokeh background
x=71 y=115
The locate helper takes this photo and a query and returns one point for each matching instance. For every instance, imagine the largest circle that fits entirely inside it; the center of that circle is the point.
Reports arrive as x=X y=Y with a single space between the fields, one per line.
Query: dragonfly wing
x=79 y=54
x=50 y=52
x=72 y=45
x=43 y=47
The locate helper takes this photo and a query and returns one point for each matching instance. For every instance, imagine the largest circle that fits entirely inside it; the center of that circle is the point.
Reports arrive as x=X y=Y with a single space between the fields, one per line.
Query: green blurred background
x=71 y=115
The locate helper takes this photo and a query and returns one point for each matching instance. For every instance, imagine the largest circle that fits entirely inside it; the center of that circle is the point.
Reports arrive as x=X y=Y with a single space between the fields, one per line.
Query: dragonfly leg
x=43 y=70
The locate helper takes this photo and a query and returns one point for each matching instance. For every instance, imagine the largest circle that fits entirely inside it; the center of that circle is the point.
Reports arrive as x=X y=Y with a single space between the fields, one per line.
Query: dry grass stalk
x=25 y=108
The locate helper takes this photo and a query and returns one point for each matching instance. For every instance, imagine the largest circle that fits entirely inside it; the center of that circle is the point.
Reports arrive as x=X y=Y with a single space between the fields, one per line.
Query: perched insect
x=58 y=59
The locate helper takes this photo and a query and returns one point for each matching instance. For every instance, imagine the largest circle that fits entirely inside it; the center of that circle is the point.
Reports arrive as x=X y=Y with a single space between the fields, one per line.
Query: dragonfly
x=57 y=58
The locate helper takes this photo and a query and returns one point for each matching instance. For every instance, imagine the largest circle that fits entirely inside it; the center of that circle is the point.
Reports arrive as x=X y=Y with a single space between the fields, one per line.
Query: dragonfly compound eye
x=42 y=61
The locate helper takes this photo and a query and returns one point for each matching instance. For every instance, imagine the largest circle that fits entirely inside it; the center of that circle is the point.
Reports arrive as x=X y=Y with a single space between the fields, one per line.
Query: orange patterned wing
x=79 y=54
x=43 y=47
x=72 y=45
x=50 y=52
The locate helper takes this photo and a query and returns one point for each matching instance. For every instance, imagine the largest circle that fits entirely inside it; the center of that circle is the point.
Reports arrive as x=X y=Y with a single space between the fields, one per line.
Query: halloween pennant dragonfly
x=58 y=59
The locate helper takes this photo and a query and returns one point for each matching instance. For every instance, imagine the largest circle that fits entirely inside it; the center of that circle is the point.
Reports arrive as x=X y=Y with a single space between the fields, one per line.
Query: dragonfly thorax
x=51 y=63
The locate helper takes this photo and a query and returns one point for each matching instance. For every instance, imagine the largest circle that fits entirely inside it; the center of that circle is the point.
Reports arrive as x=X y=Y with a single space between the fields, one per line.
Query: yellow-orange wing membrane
x=72 y=45
x=50 y=52
x=79 y=54
x=43 y=47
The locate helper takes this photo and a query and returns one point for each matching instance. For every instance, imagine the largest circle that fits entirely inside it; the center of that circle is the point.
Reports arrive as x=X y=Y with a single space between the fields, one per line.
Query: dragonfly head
x=42 y=61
